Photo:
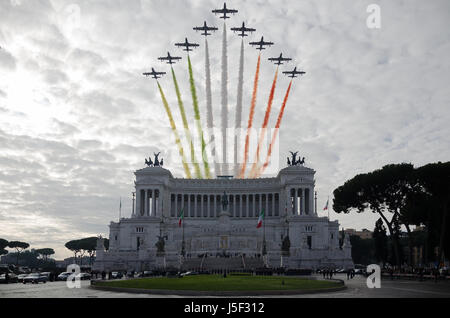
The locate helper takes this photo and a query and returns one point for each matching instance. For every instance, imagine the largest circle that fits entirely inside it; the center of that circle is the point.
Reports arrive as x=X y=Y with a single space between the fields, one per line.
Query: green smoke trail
x=197 y=120
x=174 y=129
x=187 y=131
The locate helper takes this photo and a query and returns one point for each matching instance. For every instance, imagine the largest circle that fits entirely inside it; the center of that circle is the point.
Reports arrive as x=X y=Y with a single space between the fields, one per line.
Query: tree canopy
x=85 y=245
x=19 y=247
x=3 y=244
x=382 y=191
x=45 y=252
x=402 y=195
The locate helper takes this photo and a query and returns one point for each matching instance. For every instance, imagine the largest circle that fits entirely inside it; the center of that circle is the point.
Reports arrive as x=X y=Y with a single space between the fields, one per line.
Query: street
x=356 y=289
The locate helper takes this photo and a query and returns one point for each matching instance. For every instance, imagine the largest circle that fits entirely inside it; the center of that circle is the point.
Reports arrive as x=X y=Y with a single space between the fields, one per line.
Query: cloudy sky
x=77 y=117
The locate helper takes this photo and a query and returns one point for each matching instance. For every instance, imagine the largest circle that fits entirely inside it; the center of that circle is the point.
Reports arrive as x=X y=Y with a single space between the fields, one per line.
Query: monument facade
x=212 y=223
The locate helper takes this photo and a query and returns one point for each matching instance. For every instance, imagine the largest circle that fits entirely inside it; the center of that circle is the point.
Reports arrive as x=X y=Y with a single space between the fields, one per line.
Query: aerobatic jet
x=294 y=73
x=154 y=74
x=243 y=30
x=224 y=11
x=261 y=44
x=187 y=45
x=169 y=58
x=279 y=60
x=205 y=28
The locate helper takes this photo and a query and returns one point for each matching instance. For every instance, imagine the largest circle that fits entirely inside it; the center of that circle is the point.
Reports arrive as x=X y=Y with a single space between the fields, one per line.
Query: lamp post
x=134 y=199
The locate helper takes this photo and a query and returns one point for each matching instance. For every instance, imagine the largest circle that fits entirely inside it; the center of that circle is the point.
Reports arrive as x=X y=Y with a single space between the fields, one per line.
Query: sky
x=77 y=117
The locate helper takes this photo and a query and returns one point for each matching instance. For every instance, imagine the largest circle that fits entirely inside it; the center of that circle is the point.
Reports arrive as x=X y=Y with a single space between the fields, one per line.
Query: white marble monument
x=219 y=225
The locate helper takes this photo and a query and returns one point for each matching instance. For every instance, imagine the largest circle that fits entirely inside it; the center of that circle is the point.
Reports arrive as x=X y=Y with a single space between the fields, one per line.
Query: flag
x=326 y=205
x=180 y=220
x=120 y=209
x=260 y=219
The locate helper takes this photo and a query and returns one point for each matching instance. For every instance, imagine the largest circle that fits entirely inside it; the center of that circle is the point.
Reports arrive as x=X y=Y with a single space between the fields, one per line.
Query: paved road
x=356 y=289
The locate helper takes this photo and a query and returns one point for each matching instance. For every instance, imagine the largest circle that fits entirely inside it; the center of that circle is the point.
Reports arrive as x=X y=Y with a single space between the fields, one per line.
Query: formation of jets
x=243 y=30
x=224 y=11
x=294 y=73
x=279 y=60
x=205 y=28
x=169 y=58
x=187 y=46
x=261 y=44
x=154 y=74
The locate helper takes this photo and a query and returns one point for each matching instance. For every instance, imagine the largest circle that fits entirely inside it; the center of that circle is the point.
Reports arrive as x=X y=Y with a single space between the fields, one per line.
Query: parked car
x=35 y=278
x=116 y=275
x=20 y=277
x=63 y=276
x=189 y=273
x=12 y=278
x=84 y=276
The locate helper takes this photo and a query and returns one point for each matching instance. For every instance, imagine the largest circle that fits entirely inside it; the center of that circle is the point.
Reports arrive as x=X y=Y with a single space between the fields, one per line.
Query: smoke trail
x=238 y=123
x=209 y=111
x=277 y=127
x=197 y=120
x=224 y=99
x=250 y=118
x=262 y=134
x=187 y=131
x=175 y=132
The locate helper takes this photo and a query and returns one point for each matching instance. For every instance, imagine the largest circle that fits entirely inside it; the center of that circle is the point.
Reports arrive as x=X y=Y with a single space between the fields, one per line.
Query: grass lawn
x=219 y=283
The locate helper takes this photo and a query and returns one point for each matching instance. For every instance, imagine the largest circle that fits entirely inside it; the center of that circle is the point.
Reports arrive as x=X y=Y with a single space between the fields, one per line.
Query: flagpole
x=120 y=209
x=328 y=203
x=264 y=251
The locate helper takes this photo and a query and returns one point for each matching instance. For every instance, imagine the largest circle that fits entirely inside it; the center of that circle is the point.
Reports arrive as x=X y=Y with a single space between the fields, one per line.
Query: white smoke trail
x=224 y=100
x=209 y=109
x=238 y=123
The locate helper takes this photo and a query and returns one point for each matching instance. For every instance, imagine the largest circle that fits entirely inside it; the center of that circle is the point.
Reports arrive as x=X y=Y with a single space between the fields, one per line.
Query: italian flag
x=260 y=219
x=180 y=219
x=326 y=205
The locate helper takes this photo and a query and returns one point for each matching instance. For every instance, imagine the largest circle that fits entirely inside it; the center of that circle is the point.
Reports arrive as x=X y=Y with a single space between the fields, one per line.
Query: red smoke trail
x=262 y=134
x=277 y=127
x=250 y=118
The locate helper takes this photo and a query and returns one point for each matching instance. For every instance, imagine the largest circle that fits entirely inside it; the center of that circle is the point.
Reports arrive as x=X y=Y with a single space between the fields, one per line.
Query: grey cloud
x=7 y=61
x=53 y=77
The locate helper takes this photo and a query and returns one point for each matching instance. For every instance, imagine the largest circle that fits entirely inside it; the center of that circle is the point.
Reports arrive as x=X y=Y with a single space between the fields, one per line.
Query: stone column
x=266 y=209
x=155 y=202
x=247 y=205
x=260 y=204
x=234 y=206
x=160 y=203
x=176 y=205
x=303 y=201
x=189 y=205
x=273 y=205
x=201 y=205
x=240 y=205
x=288 y=201
x=146 y=202
x=138 y=202
x=195 y=205
x=208 y=206
x=296 y=202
